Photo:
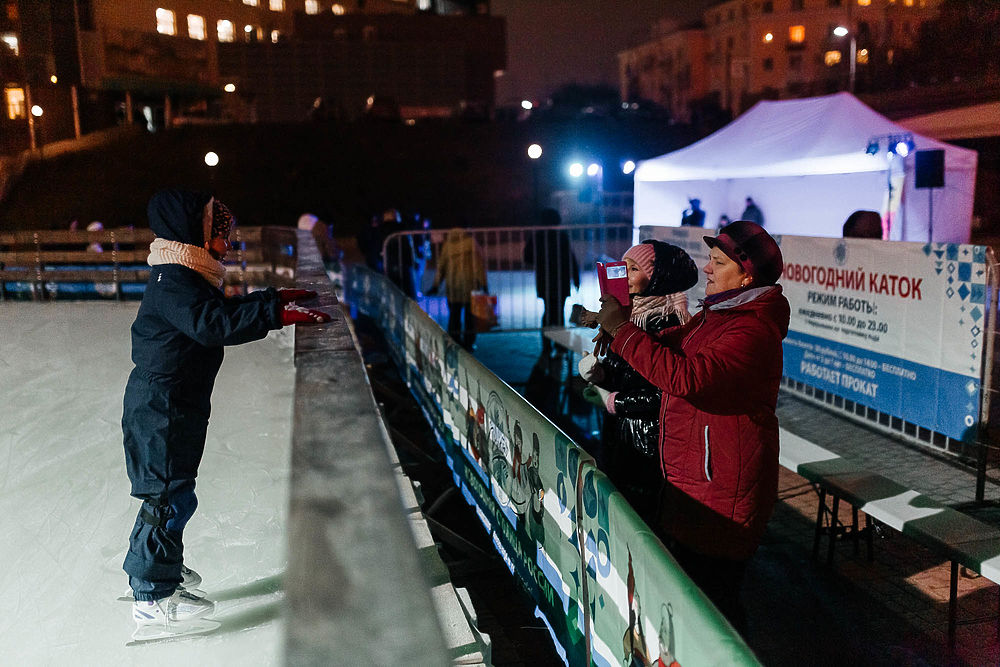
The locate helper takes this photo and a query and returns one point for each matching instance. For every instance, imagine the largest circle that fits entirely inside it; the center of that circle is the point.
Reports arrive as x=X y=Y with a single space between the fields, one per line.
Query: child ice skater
x=183 y=323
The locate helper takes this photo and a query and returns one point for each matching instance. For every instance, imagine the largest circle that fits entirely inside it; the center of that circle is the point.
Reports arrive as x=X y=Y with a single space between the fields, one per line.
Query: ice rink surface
x=65 y=509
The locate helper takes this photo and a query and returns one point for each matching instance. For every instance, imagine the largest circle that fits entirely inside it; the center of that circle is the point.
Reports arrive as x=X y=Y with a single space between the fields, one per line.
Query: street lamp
x=841 y=31
x=535 y=152
x=36 y=119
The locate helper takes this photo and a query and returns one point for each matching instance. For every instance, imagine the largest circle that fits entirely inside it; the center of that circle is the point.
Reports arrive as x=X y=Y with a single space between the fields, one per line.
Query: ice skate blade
x=174 y=630
x=197 y=592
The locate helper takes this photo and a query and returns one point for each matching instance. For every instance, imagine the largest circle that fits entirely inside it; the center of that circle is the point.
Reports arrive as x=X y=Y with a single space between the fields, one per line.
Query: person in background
x=370 y=240
x=400 y=255
x=752 y=213
x=550 y=252
x=461 y=267
x=863 y=225
x=719 y=375
x=329 y=250
x=693 y=216
x=723 y=221
x=659 y=274
x=182 y=325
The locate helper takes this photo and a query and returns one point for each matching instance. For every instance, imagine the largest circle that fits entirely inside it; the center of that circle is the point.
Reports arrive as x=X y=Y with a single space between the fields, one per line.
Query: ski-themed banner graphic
x=605 y=587
x=897 y=327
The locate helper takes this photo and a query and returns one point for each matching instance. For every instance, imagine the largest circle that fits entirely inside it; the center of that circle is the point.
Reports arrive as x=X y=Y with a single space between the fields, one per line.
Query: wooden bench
x=43 y=259
x=962 y=539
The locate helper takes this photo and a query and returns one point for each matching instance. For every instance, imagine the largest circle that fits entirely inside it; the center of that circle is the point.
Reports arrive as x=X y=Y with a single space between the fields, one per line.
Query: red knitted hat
x=644 y=255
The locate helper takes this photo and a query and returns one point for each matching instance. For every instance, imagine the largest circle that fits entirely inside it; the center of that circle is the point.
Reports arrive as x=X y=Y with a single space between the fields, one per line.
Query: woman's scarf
x=162 y=251
x=645 y=307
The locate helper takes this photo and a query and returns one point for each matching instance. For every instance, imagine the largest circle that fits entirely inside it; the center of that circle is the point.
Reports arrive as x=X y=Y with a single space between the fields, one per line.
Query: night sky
x=554 y=42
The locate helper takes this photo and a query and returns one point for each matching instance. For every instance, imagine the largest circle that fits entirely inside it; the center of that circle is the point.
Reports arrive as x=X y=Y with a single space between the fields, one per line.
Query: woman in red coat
x=719 y=375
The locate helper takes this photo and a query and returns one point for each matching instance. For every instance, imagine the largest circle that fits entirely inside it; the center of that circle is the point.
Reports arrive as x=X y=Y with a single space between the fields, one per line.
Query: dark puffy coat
x=630 y=436
x=718 y=431
x=177 y=339
x=637 y=402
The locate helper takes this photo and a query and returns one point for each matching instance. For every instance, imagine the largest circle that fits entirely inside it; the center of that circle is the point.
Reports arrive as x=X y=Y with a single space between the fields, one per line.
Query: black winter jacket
x=635 y=424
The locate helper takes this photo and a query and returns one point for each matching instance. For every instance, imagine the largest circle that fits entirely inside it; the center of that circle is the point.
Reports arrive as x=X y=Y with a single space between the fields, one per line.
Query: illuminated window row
x=225 y=30
x=796 y=35
x=273 y=5
x=312 y=7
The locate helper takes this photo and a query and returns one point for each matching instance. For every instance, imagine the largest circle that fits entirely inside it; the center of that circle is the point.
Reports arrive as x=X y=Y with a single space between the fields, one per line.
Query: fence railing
x=526 y=268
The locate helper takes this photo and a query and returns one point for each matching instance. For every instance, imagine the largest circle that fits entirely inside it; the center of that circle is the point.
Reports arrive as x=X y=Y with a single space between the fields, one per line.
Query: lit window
x=864 y=3
x=10 y=41
x=15 y=103
x=252 y=3
x=768 y=37
x=423 y=5
x=196 y=26
x=225 y=30
x=165 y=22
x=797 y=34
x=312 y=6
x=907 y=3
x=889 y=56
x=831 y=58
x=337 y=9
x=275 y=35
x=277 y=5
x=862 y=57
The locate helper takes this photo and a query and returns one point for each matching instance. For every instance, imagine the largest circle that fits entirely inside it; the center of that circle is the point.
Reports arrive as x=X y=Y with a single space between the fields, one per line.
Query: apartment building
x=782 y=48
x=87 y=64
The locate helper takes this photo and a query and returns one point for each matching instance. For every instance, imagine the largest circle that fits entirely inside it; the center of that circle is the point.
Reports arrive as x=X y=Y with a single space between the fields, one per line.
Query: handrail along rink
x=355 y=589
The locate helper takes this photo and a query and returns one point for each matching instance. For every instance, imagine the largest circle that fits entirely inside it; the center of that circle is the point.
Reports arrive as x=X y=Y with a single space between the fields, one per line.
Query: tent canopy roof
x=817 y=135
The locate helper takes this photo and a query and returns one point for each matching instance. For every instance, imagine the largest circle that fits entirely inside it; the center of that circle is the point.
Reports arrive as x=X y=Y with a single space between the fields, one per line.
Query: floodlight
x=576 y=170
x=872 y=147
x=840 y=31
x=593 y=168
x=534 y=151
x=628 y=167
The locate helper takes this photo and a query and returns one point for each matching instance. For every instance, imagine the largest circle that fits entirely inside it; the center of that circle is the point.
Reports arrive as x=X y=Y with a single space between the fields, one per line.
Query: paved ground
x=892 y=611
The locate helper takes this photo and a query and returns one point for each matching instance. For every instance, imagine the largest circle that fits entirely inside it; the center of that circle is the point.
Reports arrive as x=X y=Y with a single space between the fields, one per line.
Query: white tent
x=805 y=164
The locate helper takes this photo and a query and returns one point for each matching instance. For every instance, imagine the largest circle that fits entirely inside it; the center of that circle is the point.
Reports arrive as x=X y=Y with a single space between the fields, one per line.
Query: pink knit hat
x=644 y=255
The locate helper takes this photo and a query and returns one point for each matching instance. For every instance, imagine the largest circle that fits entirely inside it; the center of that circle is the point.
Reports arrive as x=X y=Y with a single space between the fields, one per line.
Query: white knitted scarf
x=644 y=307
x=162 y=251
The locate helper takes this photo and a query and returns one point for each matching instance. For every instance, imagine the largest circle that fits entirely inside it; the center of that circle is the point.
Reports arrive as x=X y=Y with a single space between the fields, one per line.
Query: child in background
x=178 y=335
x=659 y=274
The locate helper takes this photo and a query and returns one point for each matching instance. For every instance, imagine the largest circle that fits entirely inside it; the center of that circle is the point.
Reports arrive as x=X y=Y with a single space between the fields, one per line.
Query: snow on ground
x=65 y=509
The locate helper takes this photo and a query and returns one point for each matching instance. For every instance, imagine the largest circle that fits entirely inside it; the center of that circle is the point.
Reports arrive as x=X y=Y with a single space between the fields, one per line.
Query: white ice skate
x=180 y=614
x=189 y=582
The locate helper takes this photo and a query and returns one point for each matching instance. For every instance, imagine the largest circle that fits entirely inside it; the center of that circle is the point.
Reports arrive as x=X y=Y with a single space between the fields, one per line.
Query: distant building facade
x=89 y=64
x=755 y=49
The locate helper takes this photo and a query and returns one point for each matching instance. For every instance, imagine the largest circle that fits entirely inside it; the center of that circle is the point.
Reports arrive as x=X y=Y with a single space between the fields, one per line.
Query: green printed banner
x=556 y=521
x=643 y=609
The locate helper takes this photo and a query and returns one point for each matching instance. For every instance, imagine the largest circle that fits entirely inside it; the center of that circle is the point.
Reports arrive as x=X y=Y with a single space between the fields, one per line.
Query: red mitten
x=290 y=295
x=292 y=314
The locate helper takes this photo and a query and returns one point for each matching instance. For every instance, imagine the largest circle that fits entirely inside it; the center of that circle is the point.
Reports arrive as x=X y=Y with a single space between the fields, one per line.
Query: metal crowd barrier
x=411 y=259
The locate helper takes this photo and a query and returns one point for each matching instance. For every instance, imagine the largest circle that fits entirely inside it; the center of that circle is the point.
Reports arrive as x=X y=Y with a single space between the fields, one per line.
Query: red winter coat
x=718 y=432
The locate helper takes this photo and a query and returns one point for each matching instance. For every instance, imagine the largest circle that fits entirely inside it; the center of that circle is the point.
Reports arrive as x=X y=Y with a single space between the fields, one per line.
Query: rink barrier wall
x=355 y=589
x=601 y=580
x=899 y=336
x=111 y=263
